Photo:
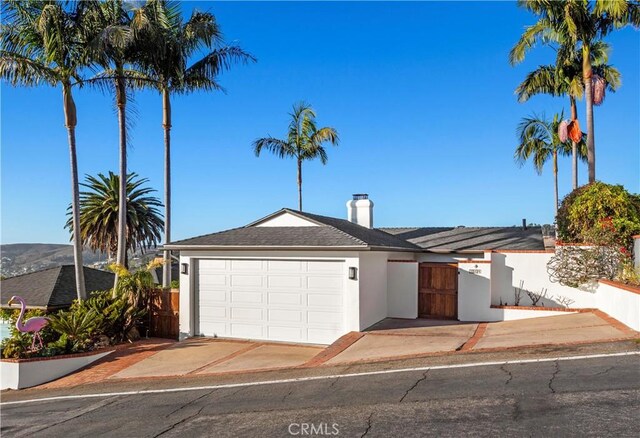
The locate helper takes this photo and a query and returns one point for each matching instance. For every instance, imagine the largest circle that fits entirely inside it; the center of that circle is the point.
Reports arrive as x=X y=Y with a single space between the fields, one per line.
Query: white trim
x=312 y=378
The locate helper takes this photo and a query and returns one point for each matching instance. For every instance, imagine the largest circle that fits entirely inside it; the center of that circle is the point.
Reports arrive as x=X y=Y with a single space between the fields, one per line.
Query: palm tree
x=100 y=214
x=579 y=24
x=304 y=141
x=565 y=79
x=168 y=67
x=41 y=44
x=539 y=142
x=113 y=27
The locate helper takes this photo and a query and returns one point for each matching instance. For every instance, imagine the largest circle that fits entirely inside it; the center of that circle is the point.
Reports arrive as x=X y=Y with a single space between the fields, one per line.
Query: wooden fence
x=164 y=314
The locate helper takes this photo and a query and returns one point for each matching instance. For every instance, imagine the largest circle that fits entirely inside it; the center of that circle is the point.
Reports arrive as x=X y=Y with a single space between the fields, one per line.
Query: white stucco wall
x=373 y=287
x=474 y=292
x=620 y=304
x=510 y=268
x=287 y=220
x=402 y=288
x=18 y=375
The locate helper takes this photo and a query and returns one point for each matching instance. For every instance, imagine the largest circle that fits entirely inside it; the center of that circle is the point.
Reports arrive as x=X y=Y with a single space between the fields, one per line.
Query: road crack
x=424 y=376
x=178 y=423
x=505 y=370
x=189 y=403
x=553 y=376
x=603 y=372
x=366 y=431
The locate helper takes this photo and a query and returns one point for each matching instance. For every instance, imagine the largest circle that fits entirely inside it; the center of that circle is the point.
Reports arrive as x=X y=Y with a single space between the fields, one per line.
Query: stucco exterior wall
x=510 y=268
x=402 y=288
x=474 y=292
x=619 y=303
x=447 y=257
x=373 y=288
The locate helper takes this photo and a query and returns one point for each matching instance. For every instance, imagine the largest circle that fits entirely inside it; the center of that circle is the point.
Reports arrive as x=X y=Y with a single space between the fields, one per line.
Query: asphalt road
x=587 y=397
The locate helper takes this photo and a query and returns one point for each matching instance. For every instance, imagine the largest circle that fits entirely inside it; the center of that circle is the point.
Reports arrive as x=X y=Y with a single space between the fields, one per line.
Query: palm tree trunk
x=121 y=102
x=299 y=184
x=574 y=145
x=591 y=147
x=166 y=124
x=555 y=182
x=70 y=121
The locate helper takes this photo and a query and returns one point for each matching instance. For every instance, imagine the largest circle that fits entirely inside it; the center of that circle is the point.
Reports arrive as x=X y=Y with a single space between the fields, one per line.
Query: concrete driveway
x=212 y=356
x=390 y=339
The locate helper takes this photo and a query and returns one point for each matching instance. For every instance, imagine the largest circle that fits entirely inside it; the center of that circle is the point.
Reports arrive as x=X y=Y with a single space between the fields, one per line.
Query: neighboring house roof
x=466 y=239
x=156 y=274
x=330 y=233
x=53 y=288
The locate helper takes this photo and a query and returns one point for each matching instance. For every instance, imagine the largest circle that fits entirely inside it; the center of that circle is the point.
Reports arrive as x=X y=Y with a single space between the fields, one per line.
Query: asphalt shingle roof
x=334 y=232
x=330 y=232
x=472 y=238
x=54 y=287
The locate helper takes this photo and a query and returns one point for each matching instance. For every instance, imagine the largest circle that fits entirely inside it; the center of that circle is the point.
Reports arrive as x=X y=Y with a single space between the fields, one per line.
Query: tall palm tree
x=565 y=79
x=100 y=214
x=41 y=44
x=539 y=142
x=304 y=141
x=112 y=34
x=168 y=66
x=579 y=24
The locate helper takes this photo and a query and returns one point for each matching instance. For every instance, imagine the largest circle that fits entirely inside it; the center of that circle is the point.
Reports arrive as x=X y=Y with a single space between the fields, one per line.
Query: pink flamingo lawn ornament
x=31 y=325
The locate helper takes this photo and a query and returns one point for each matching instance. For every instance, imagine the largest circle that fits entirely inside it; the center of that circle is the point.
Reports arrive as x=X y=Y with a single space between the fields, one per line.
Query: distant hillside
x=20 y=258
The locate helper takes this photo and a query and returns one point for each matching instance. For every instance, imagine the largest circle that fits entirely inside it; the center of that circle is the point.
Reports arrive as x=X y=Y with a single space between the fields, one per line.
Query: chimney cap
x=359 y=196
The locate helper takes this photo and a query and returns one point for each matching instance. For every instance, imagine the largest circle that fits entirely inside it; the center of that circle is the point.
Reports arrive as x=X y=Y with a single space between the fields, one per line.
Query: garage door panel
x=285 y=281
x=328 y=318
x=246 y=313
x=216 y=296
x=208 y=279
x=284 y=315
x=284 y=265
x=246 y=297
x=213 y=328
x=213 y=266
x=325 y=283
x=246 y=265
x=324 y=300
x=325 y=267
x=251 y=331
x=246 y=280
x=290 y=334
x=212 y=313
x=281 y=300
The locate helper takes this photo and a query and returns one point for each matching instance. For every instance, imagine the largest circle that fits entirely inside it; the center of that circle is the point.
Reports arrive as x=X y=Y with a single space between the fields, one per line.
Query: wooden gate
x=164 y=314
x=438 y=290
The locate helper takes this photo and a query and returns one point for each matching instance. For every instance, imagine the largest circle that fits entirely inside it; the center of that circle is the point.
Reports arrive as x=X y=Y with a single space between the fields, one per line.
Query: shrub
x=175 y=284
x=602 y=219
x=599 y=213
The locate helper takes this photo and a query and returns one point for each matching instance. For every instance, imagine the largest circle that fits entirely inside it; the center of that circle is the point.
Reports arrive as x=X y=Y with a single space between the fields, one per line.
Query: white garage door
x=278 y=300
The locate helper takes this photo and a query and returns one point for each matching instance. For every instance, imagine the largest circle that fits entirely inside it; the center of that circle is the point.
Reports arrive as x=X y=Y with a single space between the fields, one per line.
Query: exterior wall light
x=184 y=268
x=353 y=273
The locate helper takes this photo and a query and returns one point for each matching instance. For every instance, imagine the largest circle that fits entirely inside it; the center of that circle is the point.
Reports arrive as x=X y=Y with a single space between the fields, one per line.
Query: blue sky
x=420 y=93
